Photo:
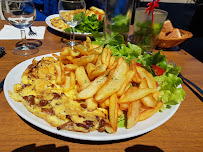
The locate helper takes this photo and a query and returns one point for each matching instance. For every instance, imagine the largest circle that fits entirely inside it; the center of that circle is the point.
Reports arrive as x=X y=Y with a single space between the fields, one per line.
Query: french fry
x=104 y=104
x=129 y=77
x=90 y=67
x=98 y=71
x=150 y=111
x=133 y=94
x=65 y=52
x=82 y=77
x=99 y=61
x=74 y=53
x=97 y=10
x=91 y=104
x=60 y=73
x=70 y=58
x=84 y=60
x=111 y=61
x=124 y=106
x=67 y=83
x=88 y=42
x=120 y=112
x=143 y=84
x=145 y=74
x=81 y=49
x=95 y=50
x=136 y=78
x=95 y=58
x=89 y=13
x=143 y=108
x=70 y=82
x=150 y=81
x=49 y=58
x=106 y=55
x=149 y=100
x=56 y=56
x=133 y=113
x=70 y=67
x=96 y=46
x=92 y=88
x=114 y=82
x=113 y=65
x=120 y=60
x=113 y=111
x=127 y=87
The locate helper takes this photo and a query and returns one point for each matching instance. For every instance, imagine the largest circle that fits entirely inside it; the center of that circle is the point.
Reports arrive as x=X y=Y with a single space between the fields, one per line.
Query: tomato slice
x=158 y=70
x=100 y=17
x=139 y=64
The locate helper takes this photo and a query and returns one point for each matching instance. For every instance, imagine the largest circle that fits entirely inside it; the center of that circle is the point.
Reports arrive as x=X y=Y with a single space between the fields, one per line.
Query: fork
x=183 y=78
x=31 y=32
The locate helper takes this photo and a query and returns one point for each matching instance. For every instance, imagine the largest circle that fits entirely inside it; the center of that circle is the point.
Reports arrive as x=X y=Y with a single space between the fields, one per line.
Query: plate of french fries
x=82 y=93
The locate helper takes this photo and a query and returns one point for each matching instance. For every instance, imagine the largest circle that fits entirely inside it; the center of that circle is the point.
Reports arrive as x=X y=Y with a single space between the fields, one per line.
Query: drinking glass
x=146 y=31
x=72 y=13
x=118 y=16
x=21 y=14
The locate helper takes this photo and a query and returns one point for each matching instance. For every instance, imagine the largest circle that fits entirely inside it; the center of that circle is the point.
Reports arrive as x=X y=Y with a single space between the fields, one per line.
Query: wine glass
x=72 y=12
x=21 y=14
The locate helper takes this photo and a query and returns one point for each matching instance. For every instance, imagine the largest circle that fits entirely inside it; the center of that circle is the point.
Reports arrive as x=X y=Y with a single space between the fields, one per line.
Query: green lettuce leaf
x=114 y=40
x=88 y=25
x=122 y=121
x=170 y=92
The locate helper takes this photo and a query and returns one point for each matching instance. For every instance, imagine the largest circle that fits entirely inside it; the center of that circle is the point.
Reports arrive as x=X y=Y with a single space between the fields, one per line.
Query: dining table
x=183 y=132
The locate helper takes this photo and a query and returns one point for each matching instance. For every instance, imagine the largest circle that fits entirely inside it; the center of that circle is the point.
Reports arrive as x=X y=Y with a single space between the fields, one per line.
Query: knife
x=1 y=85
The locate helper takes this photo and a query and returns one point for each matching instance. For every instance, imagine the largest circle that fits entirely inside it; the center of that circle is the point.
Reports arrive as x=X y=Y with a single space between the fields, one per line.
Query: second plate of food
x=56 y=23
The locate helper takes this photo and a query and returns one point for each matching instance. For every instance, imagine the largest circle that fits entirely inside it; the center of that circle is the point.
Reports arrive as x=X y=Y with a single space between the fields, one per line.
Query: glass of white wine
x=21 y=14
x=72 y=12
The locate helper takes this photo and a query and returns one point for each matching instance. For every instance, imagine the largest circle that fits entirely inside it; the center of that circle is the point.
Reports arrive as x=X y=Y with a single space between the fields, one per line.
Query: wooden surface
x=183 y=132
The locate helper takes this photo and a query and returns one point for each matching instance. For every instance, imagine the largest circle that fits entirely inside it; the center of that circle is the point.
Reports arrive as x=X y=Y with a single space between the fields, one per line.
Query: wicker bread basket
x=171 y=42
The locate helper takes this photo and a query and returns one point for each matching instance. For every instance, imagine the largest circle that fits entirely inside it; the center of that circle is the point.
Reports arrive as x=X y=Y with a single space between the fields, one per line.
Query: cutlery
x=185 y=79
x=2 y=52
x=1 y=85
x=31 y=32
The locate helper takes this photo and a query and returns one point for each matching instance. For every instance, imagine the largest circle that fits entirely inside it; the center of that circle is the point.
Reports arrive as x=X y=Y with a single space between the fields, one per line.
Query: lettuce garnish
x=88 y=25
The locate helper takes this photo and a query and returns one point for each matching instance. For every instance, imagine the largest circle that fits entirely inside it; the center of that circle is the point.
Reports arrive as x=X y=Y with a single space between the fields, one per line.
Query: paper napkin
x=11 y=33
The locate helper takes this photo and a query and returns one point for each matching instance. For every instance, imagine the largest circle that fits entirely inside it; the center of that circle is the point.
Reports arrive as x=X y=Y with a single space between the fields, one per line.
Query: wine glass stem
x=72 y=36
x=23 y=37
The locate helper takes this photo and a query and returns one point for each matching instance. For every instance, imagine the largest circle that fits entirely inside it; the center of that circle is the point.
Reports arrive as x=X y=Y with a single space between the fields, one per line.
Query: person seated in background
x=45 y=8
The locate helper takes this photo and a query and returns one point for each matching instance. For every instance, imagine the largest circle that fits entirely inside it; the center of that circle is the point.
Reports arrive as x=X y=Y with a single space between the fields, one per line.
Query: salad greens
x=122 y=121
x=170 y=92
x=79 y=16
x=88 y=25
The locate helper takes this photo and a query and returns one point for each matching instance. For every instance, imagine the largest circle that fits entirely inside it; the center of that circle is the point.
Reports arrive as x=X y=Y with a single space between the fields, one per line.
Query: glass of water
x=72 y=12
x=21 y=14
